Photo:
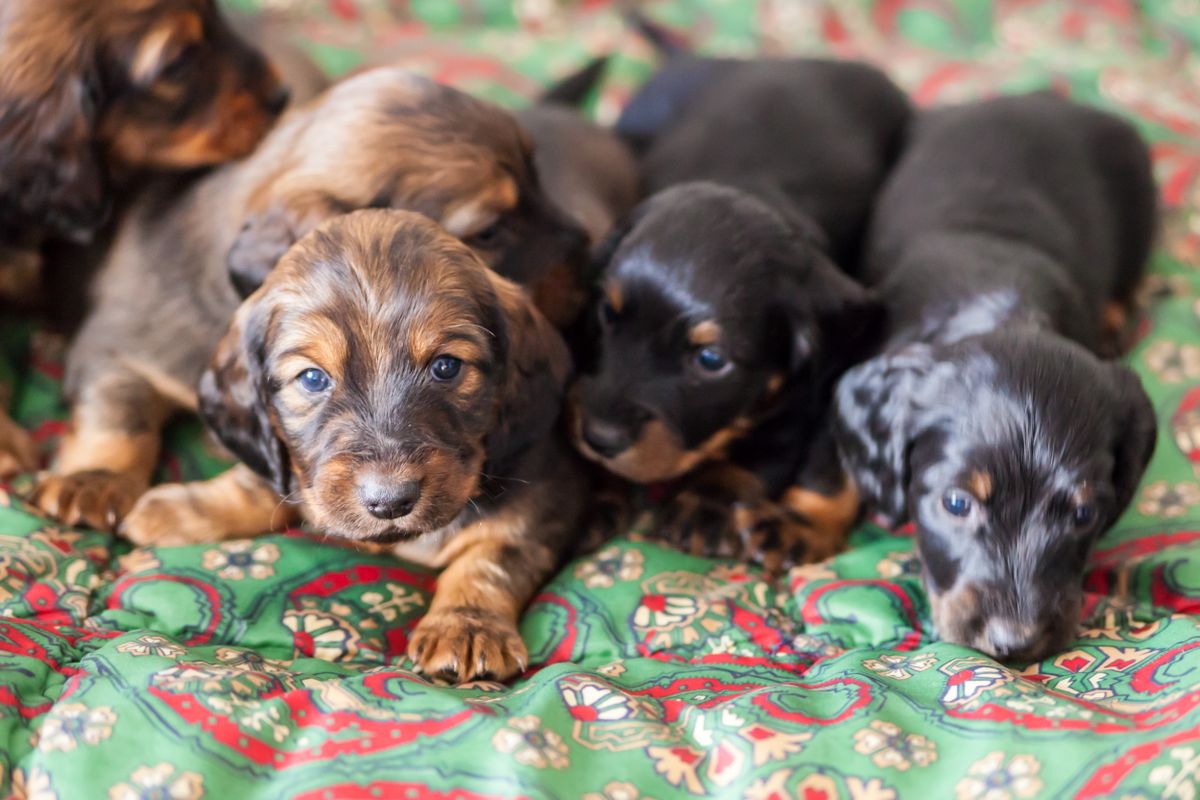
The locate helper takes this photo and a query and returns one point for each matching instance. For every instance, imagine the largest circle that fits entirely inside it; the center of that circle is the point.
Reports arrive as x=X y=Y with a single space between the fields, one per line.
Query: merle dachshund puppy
x=725 y=320
x=988 y=420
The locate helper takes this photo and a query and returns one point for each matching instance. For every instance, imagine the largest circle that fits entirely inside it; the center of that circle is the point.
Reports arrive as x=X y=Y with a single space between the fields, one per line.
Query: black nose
x=607 y=439
x=278 y=99
x=387 y=499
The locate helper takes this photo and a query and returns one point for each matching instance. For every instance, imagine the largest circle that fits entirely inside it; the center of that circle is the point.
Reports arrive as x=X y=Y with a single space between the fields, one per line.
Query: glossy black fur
x=763 y=174
x=1005 y=229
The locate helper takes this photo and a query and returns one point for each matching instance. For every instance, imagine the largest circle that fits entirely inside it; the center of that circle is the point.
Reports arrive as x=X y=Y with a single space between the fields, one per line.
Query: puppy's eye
x=1085 y=515
x=709 y=359
x=488 y=237
x=314 y=380
x=957 y=503
x=445 y=368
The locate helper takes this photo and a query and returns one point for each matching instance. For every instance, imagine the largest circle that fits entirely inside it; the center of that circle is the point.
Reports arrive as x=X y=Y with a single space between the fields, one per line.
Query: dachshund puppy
x=988 y=420
x=167 y=288
x=588 y=172
x=726 y=320
x=398 y=390
x=93 y=92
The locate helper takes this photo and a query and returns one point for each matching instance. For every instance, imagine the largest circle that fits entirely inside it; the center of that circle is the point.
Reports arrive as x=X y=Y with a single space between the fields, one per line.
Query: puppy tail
x=669 y=43
x=574 y=89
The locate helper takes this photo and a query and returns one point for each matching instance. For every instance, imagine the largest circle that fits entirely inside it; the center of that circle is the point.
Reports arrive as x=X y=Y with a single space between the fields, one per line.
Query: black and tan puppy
x=726 y=320
x=93 y=93
x=396 y=389
x=988 y=420
x=167 y=288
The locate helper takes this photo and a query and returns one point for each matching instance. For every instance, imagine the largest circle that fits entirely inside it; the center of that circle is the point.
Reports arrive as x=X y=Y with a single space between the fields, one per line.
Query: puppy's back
x=1070 y=181
x=818 y=134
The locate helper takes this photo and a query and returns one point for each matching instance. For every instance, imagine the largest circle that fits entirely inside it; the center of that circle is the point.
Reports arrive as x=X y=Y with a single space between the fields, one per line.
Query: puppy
x=726 y=320
x=988 y=420
x=394 y=388
x=93 y=93
x=167 y=288
x=588 y=172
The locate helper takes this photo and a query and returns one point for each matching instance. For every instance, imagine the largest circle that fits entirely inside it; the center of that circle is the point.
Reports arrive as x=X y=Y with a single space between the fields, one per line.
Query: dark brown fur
x=373 y=299
x=94 y=93
x=164 y=294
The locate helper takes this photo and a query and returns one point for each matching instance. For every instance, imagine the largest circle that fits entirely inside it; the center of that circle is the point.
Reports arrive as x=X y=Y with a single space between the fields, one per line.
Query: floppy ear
x=234 y=399
x=267 y=234
x=1136 y=437
x=51 y=175
x=878 y=412
x=831 y=316
x=536 y=369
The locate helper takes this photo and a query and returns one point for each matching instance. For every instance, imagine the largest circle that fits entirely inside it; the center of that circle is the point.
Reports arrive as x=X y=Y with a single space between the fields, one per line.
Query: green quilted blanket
x=274 y=667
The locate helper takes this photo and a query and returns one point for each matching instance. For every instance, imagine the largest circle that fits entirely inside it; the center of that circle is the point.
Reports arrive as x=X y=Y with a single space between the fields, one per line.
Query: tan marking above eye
x=980 y=484
x=615 y=296
x=163 y=43
x=705 y=333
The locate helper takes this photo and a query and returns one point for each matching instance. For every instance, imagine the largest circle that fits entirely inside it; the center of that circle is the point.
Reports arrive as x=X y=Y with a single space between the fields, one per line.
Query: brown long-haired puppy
x=93 y=92
x=166 y=291
x=91 y=88
x=393 y=387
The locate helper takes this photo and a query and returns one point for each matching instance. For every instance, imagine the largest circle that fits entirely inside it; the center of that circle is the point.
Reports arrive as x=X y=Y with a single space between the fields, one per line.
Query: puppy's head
x=715 y=308
x=377 y=370
x=87 y=87
x=389 y=139
x=1011 y=453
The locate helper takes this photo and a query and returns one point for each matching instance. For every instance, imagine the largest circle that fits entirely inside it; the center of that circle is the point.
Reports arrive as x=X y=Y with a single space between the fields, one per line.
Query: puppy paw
x=776 y=539
x=464 y=644
x=701 y=526
x=17 y=451
x=165 y=516
x=96 y=499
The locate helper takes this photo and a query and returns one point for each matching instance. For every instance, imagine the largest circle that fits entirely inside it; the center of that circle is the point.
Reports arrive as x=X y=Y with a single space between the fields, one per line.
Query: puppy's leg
x=236 y=504
x=106 y=459
x=17 y=451
x=495 y=567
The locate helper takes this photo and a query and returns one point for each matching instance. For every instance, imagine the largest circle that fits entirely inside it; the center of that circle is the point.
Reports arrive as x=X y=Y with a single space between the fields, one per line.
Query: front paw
x=463 y=644
x=96 y=499
x=701 y=526
x=778 y=539
x=165 y=516
x=17 y=450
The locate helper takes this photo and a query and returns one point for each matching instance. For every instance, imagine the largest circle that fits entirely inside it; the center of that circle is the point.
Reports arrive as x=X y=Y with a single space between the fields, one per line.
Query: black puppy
x=725 y=321
x=989 y=420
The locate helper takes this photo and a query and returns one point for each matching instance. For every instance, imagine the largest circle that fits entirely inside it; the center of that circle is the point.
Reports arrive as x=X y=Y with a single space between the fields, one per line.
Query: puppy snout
x=607 y=439
x=1007 y=639
x=388 y=499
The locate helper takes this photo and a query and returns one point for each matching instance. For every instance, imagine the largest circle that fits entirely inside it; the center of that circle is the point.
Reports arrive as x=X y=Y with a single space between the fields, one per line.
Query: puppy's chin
x=658 y=455
x=345 y=520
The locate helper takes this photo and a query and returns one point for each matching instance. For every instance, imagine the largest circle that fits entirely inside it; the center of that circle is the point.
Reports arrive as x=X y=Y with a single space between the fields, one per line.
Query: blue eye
x=957 y=503
x=314 y=380
x=710 y=360
x=445 y=368
x=1085 y=514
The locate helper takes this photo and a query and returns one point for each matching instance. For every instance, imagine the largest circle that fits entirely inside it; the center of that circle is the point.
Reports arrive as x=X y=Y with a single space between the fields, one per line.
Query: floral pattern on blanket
x=275 y=668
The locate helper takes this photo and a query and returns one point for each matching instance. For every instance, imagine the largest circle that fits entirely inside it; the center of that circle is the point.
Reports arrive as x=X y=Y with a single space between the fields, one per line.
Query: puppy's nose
x=278 y=99
x=1009 y=640
x=385 y=499
x=607 y=439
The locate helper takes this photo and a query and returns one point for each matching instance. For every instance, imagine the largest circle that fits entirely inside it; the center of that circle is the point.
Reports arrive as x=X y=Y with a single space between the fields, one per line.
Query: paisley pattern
x=275 y=668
